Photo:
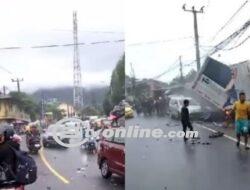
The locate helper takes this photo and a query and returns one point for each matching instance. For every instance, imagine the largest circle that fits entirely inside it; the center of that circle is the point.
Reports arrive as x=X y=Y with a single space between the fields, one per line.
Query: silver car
x=176 y=103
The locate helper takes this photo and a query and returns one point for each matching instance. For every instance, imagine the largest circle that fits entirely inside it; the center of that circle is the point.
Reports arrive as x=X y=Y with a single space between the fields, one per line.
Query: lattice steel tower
x=78 y=91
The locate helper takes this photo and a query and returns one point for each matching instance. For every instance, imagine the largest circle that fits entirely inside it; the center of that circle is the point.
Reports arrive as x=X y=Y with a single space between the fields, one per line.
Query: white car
x=176 y=103
x=64 y=127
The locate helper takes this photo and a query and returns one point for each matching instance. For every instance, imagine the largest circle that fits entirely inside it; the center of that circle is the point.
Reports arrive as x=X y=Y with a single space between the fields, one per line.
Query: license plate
x=37 y=145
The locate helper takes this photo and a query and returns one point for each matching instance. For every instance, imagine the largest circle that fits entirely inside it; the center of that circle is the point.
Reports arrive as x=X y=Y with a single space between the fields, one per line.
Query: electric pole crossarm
x=17 y=80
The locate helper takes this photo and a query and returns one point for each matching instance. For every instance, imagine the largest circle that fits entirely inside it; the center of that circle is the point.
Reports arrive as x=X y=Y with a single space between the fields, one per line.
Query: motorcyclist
x=32 y=132
x=7 y=158
x=117 y=113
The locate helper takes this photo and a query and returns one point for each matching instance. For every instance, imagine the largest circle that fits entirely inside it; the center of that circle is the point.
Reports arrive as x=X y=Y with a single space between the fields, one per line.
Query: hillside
x=94 y=96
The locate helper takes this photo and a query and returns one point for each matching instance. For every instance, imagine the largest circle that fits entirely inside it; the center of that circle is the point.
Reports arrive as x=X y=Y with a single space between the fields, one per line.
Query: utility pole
x=196 y=34
x=17 y=80
x=181 y=69
x=4 y=90
x=43 y=106
x=133 y=80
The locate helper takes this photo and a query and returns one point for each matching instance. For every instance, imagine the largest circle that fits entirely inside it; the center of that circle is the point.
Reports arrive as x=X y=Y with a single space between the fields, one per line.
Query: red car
x=111 y=156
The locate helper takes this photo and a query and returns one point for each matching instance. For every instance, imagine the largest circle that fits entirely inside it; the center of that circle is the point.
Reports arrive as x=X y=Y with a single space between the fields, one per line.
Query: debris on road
x=81 y=170
x=216 y=134
x=217 y=124
x=206 y=143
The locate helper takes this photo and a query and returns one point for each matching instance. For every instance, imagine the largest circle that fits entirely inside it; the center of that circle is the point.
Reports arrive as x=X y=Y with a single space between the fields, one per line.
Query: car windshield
x=193 y=102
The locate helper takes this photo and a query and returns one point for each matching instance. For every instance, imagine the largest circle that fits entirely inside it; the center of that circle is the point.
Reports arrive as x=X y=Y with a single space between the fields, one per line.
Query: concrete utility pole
x=17 y=80
x=181 y=70
x=196 y=35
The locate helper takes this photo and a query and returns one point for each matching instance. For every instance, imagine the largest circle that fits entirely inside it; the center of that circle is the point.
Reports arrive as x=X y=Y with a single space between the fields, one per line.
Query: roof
x=3 y=97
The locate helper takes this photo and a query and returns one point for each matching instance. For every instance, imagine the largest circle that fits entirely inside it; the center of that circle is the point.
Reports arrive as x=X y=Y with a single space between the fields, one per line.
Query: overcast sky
x=44 y=22
x=159 y=20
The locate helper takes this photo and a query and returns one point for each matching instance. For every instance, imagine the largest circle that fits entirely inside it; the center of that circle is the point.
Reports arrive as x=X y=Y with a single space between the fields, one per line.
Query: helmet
x=33 y=125
x=7 y=131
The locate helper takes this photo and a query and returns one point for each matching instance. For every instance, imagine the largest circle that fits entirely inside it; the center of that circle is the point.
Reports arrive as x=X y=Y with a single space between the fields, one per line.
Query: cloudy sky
x=29 y=23
x=165 y=23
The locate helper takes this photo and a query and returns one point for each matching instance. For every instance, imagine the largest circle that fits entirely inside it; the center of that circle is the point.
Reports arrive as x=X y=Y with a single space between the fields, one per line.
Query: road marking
x=226 y=136
x=53 y=171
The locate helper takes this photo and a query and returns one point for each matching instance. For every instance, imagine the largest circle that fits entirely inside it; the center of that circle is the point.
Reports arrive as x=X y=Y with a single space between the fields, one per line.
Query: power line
x=228 y=40
x=54 y=46
x=6 y=70
x=91 y=31
x=174 y=66
x=238 y=45
x=193 y=61
x=63 y=45
x=230 y=19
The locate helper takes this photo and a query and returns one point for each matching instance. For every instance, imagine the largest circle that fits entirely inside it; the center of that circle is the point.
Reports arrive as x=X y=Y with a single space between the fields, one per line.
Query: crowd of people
x=152 y=106
x=240 y=111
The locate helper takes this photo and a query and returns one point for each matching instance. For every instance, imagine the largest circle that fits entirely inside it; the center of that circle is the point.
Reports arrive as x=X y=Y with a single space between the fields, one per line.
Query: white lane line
x=226 y=136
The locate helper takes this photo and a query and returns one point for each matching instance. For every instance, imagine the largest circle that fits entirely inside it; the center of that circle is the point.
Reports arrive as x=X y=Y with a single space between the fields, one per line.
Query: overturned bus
x=220 y=84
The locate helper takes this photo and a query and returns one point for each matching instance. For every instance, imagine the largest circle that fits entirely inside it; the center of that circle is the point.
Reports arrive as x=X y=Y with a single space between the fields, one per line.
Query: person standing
x=241 y=110
x=185 y=119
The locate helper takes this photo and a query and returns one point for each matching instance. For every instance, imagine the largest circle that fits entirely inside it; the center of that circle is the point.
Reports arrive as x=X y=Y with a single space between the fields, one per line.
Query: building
x=66 y=109
x=9 y=112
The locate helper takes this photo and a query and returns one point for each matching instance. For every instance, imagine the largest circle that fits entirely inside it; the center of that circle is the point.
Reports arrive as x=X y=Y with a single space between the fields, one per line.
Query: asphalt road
x=170 y=164
x=70 y=169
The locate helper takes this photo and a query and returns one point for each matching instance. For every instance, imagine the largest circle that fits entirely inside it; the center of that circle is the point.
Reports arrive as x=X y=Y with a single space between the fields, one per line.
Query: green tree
x=89 y=110
x=117 y=87
x=118 y=82
x=26 y=103
x=107 y=106
x=57 y=113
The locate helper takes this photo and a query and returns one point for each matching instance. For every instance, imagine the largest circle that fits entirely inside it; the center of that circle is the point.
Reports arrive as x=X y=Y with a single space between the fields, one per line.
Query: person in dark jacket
x=7 y=157
x=185 y=120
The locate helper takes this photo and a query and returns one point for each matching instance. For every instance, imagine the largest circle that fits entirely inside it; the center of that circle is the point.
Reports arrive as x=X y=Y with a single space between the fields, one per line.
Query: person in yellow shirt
x=241 y=110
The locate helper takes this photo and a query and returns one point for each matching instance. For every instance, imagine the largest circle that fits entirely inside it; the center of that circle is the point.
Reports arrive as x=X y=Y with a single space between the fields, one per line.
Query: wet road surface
x=76 y=166
x=170 y=164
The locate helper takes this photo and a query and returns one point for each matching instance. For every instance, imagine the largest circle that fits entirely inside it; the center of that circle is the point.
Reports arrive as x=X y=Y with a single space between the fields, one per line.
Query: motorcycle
x=8 y=184
x=34 y=144
x=90 y=145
